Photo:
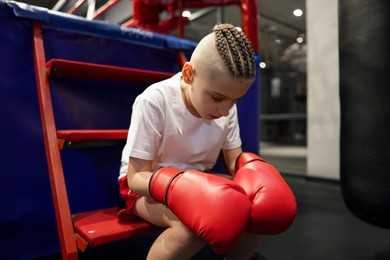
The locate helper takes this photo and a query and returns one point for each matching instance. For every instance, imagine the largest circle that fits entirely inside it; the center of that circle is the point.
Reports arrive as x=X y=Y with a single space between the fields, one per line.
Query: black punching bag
x=364 y=44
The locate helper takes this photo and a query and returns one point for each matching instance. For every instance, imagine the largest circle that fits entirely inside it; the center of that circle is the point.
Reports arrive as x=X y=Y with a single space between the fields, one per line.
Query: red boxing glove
x=273 y=203
x=214 y=208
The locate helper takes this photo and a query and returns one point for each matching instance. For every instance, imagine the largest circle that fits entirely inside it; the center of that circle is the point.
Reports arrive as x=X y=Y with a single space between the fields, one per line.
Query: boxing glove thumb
x=273 y=203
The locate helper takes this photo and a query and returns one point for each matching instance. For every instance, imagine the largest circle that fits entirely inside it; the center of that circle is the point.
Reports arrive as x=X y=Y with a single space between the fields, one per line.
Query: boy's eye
x=215 y=98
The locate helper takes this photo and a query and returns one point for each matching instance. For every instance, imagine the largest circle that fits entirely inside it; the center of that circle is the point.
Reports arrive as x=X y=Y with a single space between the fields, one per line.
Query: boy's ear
x=187 y=72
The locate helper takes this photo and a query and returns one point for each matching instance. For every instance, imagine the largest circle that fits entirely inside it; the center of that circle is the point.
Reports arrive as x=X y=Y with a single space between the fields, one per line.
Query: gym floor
x=323 y=229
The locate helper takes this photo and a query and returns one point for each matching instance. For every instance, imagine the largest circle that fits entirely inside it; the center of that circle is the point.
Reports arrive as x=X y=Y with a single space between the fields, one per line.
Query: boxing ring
x=28 y=222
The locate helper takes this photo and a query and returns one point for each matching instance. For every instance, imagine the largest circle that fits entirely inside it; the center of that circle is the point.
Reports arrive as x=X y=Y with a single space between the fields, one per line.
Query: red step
x=84 y=70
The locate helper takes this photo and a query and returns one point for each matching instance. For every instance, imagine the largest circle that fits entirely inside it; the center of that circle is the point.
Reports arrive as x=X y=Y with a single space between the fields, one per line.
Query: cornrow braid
x=235 y=50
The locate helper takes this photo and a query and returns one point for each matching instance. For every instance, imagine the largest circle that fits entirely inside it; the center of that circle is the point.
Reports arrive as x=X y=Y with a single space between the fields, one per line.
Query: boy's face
x=213 y=95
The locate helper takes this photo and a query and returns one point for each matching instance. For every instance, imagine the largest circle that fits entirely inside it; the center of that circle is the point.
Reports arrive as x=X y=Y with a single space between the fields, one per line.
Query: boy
x=178 y=128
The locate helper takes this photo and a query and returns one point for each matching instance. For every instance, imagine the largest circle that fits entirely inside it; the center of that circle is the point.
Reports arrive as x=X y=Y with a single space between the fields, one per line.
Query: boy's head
x=219 y=73
x=225 y=50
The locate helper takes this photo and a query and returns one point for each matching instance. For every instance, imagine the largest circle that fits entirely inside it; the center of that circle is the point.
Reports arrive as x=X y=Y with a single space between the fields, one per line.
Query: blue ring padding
x=96 y=28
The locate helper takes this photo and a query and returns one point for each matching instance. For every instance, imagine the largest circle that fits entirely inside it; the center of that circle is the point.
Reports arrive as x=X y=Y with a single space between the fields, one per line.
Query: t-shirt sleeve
x=145 y=129
x=233 y=139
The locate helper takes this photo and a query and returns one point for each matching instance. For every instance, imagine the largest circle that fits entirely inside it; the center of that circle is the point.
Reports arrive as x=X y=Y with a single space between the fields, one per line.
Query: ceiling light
x=298 y=12
x=262 y=65
x=186 y=14
x=299 y=39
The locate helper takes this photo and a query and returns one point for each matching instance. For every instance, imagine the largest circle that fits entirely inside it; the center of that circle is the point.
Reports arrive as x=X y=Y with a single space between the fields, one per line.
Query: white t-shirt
x=164 y=131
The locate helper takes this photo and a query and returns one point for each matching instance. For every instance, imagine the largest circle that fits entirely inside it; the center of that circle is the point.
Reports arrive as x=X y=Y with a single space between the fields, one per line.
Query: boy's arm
x=230 y=157
x=138 y=174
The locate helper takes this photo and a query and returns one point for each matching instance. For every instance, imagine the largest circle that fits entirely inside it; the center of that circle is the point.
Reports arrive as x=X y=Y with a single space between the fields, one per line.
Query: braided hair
x=235 y=50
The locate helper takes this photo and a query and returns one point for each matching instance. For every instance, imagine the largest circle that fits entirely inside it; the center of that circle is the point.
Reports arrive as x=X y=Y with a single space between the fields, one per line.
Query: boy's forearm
x=139 y=182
